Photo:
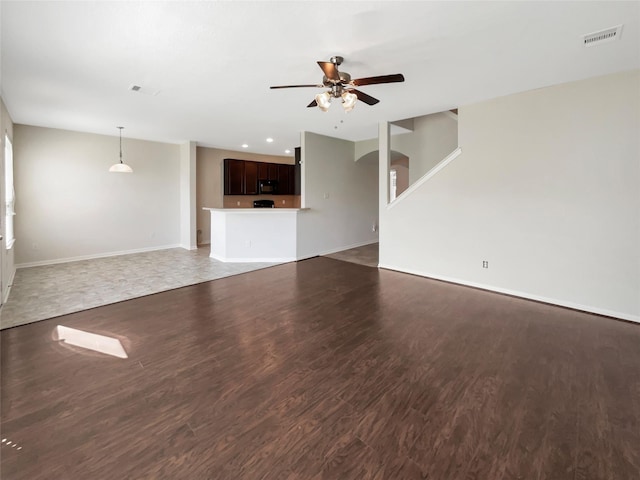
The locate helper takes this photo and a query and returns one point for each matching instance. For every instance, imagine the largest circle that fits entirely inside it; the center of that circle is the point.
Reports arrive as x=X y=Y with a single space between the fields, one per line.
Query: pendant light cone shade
x=120 y=167
x=349 y=101
x=324 y=101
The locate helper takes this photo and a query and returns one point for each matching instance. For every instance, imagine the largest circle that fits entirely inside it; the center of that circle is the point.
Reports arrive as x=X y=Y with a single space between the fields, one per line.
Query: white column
x=384 y=165
x=188 y=234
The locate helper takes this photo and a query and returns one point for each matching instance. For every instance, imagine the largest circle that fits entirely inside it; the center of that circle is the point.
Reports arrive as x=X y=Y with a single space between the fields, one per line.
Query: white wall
x=7 y=260
x=433 y=138
x=342 y=196
x=69 y=206
x=363 y=147
x=546 y=190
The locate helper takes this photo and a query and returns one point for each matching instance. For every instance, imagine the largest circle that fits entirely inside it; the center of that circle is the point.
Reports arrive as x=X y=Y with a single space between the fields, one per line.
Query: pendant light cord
x=120 y=167
x=120 y=143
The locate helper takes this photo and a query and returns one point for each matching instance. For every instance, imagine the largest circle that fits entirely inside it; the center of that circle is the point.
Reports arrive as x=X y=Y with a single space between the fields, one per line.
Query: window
x=9 y=196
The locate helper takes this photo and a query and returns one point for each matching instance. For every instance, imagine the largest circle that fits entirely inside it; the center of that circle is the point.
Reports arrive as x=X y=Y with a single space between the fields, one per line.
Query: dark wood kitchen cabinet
x=263 y=171
x=250 y=178
x=233 y=177
x=267 y=171
x=241 y=177
x=297 y=172
x=283 y=179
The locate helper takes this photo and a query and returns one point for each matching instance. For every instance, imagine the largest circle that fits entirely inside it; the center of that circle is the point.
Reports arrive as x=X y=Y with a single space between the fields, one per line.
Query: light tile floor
x=49 y=291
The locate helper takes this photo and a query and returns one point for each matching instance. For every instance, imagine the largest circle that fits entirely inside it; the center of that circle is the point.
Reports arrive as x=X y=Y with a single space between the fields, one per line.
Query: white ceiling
x=70 y=64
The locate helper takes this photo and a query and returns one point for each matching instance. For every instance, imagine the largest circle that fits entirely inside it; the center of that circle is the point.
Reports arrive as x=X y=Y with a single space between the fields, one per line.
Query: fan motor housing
x=344 y=78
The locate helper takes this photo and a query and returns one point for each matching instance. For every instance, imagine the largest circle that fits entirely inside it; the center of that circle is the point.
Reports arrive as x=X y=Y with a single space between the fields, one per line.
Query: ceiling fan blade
x=368 y=99
x=313 y=104
x=397 y=77
x=298 y=86
x=330 y=70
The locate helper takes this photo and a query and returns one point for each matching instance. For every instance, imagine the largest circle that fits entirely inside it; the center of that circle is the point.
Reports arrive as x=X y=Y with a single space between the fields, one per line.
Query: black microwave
x=267 y=187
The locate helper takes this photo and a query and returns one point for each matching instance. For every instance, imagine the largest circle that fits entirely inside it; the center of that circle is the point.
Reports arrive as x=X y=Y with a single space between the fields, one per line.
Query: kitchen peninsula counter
x=254 y=234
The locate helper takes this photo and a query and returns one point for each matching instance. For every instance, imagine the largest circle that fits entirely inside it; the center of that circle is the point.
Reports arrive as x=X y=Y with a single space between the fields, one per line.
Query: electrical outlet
x=238 y=202
x=283 y=202
x=485 y=264
x=374 y=228
x=326 y=196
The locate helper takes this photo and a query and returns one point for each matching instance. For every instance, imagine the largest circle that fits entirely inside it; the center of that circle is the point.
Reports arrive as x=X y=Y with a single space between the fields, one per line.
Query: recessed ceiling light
x=269 y=140
x=244 y=145
x=287 y=151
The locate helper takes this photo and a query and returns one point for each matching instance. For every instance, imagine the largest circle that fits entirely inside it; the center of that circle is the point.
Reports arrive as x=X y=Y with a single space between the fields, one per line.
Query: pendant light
x=120 y=167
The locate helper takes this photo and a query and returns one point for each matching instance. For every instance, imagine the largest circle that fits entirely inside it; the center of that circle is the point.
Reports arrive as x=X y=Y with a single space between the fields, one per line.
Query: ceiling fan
x=341 y=85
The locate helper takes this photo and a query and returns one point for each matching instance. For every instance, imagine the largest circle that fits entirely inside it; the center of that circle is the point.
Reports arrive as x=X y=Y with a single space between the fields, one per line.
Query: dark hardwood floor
x=325 y=370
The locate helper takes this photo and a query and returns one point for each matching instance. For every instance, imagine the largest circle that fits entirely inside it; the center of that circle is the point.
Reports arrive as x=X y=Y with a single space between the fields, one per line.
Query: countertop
x=254 y=210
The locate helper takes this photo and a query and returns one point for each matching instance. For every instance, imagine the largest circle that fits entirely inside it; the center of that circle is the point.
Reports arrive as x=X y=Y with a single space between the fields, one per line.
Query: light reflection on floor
x=10 y=443
x=91 y=341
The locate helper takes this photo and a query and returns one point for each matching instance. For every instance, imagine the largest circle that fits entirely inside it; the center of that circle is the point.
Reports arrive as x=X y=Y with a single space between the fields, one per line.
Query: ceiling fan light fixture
x=120 y=167
x=349 y=101
x=324 y=101
x=341 y=85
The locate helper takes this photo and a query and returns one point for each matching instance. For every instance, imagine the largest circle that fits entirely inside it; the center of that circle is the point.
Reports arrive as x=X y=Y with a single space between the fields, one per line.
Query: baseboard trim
x=340 y=249
x=252 y=260
x=9 y=285
x=516 y=293
x=95 y=256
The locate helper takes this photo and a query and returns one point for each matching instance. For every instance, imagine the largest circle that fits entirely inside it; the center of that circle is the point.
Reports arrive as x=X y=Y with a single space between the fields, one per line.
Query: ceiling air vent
x=144 y=90
x=603 y=36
